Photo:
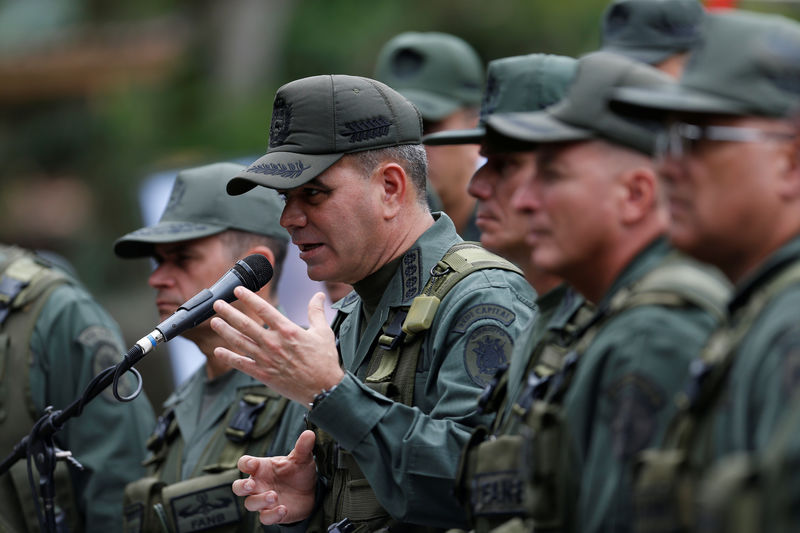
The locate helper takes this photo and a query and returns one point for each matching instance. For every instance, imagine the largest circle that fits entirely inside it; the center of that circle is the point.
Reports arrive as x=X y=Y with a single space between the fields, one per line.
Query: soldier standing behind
x=729 y=158
x=218 y=414
x=443 y=77
x=598 y=221
x=56 y=338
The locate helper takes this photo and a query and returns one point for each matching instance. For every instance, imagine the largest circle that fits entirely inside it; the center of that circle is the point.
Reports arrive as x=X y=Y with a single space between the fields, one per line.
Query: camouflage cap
x=584 y=112
x=317 y=120
x=520 y=83
x=198 y=207
x=438 y=72
x=747 y=64
x=651 y=30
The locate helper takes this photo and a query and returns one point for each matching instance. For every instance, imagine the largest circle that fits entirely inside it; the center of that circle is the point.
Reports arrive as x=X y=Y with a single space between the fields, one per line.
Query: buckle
x=241 y=427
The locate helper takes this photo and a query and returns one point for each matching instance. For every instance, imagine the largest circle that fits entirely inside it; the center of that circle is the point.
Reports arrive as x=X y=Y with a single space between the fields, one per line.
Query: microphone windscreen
x=256 y=271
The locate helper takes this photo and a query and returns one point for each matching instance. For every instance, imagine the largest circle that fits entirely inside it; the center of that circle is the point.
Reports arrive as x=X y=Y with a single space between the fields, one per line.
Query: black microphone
x=254 y=271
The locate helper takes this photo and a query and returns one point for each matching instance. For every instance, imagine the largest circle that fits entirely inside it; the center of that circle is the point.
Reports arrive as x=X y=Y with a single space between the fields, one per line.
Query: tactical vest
x=391 y=372
x=25 y=286
x=513 y=478
x=162 y=502
x=667 y=479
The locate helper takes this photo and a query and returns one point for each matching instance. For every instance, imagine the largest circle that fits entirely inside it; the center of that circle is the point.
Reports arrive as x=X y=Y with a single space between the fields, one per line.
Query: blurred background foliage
x=95 y=96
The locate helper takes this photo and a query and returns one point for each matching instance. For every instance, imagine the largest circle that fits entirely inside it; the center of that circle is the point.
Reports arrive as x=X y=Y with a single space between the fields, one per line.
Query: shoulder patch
x=103 y=345
x=411 y=266
x=635 y=401
x=477 y=312
x=488 y=348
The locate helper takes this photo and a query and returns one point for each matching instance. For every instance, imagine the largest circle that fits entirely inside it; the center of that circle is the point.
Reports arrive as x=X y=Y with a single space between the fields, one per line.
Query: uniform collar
x=775 y=263
x=645 y=261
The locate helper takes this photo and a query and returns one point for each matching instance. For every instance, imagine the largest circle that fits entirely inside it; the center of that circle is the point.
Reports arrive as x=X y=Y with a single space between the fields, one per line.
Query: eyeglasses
x=679 y=139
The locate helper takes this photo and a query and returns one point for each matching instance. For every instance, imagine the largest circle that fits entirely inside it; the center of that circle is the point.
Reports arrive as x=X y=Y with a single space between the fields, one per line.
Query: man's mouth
x=308 y=247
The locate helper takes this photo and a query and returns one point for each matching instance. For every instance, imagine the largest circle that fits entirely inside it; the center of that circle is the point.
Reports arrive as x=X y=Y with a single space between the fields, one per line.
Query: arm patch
x=487 y=349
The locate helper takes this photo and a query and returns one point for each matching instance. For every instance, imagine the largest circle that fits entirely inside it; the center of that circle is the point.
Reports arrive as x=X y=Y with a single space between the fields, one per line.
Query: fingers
x=243 y=487
x=273 y=516
x=262 y=501
x=316 y=311
x=271 y=316
x=304 y=447
x=240 y=326
x=248 y=464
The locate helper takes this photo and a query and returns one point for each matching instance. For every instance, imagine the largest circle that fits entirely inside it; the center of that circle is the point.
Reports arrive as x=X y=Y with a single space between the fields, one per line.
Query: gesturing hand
x=295 y=362
x=281 y=489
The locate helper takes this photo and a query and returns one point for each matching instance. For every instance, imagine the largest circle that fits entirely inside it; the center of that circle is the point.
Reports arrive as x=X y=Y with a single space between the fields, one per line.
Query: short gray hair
x=411 y=157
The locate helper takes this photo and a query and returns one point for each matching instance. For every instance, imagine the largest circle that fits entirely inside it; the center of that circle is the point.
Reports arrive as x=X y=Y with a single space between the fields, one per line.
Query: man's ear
x=640 y=193
x=394 y=187
x=789 y=186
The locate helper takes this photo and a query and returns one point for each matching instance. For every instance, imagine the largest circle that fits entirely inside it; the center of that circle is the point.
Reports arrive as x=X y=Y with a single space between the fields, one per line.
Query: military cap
x=440 y=73
x=520 y=83
x=747 y=64
x=584 y=112
x=651 y=30
x=317 y=120
x=198 y=206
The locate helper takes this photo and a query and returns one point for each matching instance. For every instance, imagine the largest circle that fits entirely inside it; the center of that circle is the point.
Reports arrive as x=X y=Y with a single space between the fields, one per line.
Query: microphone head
x=255 y=271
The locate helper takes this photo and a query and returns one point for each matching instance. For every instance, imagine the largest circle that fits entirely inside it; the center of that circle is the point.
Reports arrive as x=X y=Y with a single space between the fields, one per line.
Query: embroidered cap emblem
x=362 y=130
x=284 y=170
x=281 y=120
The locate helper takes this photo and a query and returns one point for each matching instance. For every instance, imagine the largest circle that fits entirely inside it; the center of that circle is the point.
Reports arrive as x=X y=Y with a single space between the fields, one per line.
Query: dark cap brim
x=473 y=136
x=538 y=127
x=281 y=170
x=140 y=243
x=677 y=99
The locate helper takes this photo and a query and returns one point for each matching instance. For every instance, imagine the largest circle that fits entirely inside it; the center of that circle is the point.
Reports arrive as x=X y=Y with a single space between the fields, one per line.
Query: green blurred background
x=96 y=95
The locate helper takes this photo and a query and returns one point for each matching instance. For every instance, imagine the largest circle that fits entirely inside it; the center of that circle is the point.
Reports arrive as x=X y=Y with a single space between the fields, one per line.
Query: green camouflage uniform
x=620 y=398
x=72 y=341
x=409 y=454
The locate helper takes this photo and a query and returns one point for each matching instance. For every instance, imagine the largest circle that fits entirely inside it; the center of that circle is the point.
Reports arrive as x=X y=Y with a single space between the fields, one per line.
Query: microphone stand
x=39 y=445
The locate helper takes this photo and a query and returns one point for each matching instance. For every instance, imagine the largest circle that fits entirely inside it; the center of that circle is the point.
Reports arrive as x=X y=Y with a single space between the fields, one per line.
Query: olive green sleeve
x=73 y=340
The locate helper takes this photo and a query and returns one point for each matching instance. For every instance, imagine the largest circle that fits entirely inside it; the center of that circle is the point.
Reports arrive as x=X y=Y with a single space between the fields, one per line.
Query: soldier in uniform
x=218 y=414
x=522 y=83
x=660 y=33
x=729 y=158
x=429 y=322
x=596 y=219
x=55 y=339
x=443 y=77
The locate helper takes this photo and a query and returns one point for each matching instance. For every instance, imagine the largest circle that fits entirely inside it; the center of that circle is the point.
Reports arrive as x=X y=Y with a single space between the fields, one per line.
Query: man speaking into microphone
x=218 y=414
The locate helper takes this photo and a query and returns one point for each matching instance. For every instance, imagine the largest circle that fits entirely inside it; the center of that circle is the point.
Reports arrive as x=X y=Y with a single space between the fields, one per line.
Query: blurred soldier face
x=335 y=221
x=571 y=204
x=185 y=268
x=451 y=166
x=721 y=177
x=503 y=228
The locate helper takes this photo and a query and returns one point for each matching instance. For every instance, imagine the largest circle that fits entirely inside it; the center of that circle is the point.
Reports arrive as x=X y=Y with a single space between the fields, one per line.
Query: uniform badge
x=488 y=348
x=281 y=120
x=102 y=344
x=636 y=401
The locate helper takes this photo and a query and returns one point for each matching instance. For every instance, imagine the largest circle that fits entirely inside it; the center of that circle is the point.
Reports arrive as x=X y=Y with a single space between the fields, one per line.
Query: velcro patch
x=205 y=509
x=488 y=348
x=480 y=311
x=103 y=345
x=498 y=493
x=636 y=400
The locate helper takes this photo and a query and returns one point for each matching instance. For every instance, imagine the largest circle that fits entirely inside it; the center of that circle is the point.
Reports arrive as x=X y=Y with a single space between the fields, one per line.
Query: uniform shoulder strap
x=458 y=262
x=679 y=281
